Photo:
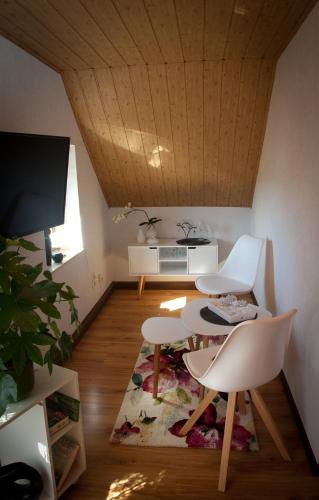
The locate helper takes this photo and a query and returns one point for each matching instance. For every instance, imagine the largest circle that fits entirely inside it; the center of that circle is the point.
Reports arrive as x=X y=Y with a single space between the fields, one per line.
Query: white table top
x=193 y=321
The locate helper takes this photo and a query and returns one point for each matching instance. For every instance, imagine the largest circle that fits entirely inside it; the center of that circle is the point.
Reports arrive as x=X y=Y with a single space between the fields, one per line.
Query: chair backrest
x=252 y=355
x=242 y=262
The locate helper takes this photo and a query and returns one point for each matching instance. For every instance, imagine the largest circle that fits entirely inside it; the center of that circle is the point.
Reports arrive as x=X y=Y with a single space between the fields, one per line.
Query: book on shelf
x=64 y=453
x=56 y=420
x=66 y=404
x=232 y=313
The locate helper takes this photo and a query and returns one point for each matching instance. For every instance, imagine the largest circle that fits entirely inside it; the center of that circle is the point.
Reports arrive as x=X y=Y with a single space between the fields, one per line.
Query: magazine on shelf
x=232 y=313
x=66 y=404
x=64 y=453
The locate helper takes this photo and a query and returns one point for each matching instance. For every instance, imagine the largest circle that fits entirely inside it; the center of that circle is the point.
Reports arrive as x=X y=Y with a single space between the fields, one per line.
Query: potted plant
x=149 y=222
x=28 y=315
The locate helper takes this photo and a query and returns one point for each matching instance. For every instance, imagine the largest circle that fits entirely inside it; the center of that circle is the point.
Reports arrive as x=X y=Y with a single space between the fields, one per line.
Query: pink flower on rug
x=124 y=431
x=208 y=433
x=172 y=373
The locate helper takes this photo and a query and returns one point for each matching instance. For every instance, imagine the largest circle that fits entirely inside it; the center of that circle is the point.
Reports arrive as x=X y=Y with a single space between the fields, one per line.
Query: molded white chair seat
x=238 y=274
x=252 y=355
x=164 y=330
x=200 y=361
x=215 y=284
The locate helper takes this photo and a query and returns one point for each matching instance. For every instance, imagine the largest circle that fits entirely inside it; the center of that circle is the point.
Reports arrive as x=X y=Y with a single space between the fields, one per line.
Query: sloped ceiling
x=171 y=96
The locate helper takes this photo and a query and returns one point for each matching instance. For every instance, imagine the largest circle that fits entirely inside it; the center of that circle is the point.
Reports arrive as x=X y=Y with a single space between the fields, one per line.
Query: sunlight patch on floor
x=174 y=304
x=124 y=488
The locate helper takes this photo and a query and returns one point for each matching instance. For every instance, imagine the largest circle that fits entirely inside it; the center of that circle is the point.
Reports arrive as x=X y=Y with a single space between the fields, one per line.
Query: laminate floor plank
x=104 y=359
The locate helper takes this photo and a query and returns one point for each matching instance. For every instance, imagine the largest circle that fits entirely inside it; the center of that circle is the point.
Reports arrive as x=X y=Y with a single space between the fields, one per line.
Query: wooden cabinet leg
x=141 y=283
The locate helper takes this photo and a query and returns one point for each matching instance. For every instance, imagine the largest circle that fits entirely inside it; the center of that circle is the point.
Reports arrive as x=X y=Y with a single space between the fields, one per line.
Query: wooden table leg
x=241 y=402
x=205 y=341
x=141 y=283
x=191 y=343
x=156 y=367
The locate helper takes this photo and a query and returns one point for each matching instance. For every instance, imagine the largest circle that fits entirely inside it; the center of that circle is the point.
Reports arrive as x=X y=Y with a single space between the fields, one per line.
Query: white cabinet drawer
x=202 y=260
x=143 y=260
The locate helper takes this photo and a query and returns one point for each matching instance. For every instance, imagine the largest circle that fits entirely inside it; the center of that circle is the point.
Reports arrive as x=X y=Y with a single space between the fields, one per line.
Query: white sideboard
x=167 y=258
x=24 y=431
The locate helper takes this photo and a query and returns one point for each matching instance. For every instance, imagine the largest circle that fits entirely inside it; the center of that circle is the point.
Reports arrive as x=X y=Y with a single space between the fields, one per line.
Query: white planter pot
x=140 y=236
x=151 y=236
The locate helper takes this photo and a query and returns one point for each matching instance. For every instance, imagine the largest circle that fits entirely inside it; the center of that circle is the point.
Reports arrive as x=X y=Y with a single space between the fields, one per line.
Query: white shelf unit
x=170 y=259
x=24 y=432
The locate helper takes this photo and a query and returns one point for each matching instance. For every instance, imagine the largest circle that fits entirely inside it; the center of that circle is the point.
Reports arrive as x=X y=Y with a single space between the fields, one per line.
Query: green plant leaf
x=137 y=379
x=19 y=358
x=48 y=275
x=28 y=245
x=42 y=339
x=8 y=391
x=2 y=365
x=27 y=321
x=183 y=396
x=55 y=329
x=49 y=309
x=41 y=290
x=5 y=282
x=33 y=353
x=66 y=345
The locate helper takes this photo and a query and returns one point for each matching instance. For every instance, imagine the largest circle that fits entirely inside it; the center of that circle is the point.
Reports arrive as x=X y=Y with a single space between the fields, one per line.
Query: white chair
x=164 y=330
x=239 y=271
x=252 y=355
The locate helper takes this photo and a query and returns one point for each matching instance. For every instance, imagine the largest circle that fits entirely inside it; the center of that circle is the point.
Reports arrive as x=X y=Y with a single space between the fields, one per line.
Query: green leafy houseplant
x=28 y=317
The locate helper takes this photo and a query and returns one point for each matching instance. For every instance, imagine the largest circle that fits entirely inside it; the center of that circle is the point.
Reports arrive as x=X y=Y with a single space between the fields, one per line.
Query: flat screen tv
x=33 y=178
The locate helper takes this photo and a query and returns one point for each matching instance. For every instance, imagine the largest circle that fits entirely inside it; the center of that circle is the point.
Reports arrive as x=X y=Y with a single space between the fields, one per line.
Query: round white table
x=193 y=321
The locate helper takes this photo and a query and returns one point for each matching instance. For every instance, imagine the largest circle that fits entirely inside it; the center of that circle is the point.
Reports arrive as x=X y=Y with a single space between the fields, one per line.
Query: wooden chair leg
x=191 y=343
x=227 y=441
x=241 y=402
x=156 y=366
x=205 y=341
x=201 y=392
x=197 y=413
x=269 y=423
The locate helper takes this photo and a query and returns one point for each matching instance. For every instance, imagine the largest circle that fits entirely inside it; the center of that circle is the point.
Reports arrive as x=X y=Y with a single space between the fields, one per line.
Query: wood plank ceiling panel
x=20 y=17
x=190 y=17
x=162 y=14
x=171 y=96
x=264 y=88
x=108 y=19
x=76 y=15
x=126 y=103
x=195 y=115
x=160 y=99
x=178 y=108
x=137 y=21
x=91 y=139
x=53 y=21
x=212 y=103
x=145 y=112
x=218 y=16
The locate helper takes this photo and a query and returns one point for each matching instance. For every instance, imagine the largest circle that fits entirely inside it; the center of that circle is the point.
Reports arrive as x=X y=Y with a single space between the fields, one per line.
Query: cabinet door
x=143 y=260
x=202 y=260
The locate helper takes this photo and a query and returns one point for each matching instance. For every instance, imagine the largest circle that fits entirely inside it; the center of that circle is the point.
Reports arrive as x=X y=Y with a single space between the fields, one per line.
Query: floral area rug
x=144 y=421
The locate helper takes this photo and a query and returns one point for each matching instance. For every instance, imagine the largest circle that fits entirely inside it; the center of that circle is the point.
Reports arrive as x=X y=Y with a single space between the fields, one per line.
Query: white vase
x=151 y=236
x=140 y=236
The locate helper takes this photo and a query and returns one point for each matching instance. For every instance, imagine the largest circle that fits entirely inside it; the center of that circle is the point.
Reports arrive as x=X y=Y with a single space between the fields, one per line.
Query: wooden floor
x=104 y=360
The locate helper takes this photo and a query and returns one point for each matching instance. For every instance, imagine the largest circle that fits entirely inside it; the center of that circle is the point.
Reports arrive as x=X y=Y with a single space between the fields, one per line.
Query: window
x=67 y=238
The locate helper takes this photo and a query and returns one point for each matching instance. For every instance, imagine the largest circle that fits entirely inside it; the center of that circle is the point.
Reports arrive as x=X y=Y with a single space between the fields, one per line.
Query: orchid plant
x=128 y=209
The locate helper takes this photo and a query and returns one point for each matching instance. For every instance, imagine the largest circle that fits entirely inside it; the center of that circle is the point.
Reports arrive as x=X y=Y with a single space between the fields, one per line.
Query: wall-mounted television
x=33 y=178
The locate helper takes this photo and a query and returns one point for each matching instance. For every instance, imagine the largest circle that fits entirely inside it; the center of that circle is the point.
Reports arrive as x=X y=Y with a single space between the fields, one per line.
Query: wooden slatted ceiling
x=176 y=134
x=171 y=95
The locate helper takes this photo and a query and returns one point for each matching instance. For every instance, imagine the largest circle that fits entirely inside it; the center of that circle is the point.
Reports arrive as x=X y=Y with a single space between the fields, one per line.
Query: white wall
x=33 y=100
x=286 y=212
x=226 y=224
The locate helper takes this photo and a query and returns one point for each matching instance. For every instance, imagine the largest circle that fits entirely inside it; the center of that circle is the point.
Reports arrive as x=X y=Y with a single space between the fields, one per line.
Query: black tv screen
x=33 y=178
